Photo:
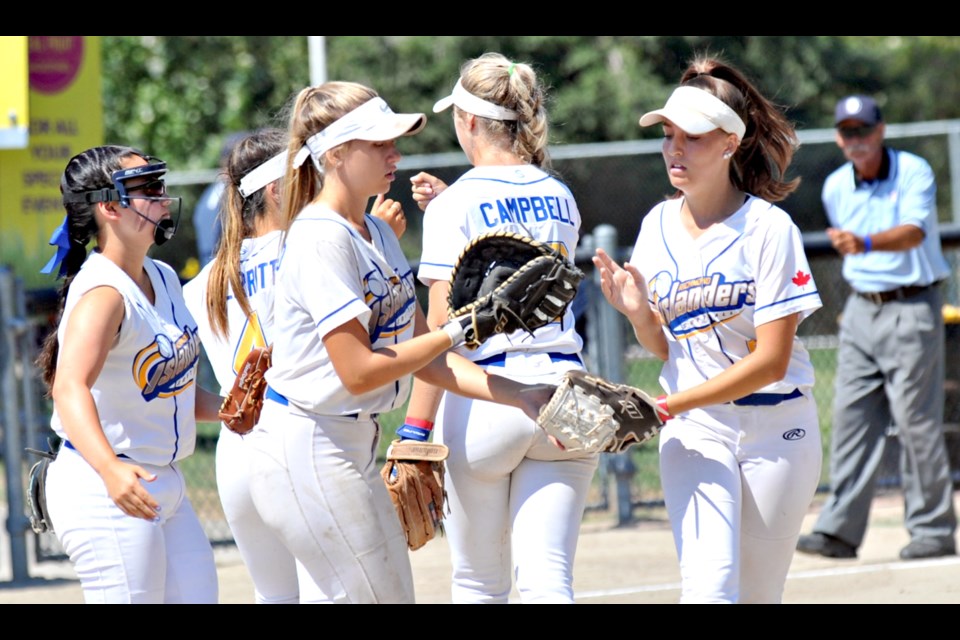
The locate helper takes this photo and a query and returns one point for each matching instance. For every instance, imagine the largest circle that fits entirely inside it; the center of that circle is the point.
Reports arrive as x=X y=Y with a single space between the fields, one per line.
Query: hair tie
x=61 y=240
x=513 y=65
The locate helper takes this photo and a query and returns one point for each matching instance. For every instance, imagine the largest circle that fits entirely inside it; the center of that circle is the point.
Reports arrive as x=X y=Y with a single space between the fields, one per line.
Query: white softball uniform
x=145 y=397
x=272 y=567
x=737 y=478
x=316 y=481
x=516 y=500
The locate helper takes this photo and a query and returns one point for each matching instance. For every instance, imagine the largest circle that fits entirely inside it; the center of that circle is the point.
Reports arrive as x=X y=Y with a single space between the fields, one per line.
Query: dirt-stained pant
x=317 y=485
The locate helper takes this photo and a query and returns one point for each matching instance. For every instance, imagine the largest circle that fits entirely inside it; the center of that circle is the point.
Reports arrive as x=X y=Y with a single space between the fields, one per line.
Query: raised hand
x=390 y=212
x=425 y=187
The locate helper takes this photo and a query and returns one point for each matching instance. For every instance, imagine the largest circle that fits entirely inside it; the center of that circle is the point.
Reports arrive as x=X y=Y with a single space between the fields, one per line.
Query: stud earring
x=727 y=155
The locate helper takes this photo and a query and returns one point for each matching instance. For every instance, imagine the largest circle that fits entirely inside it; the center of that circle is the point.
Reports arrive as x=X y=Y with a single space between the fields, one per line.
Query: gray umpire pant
x=890 y=370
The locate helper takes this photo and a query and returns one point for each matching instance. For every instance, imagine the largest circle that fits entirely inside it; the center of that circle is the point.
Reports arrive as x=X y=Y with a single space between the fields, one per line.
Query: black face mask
x=162 y=231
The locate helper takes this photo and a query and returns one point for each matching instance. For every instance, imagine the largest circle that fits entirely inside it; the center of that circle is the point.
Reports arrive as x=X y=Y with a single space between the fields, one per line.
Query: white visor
x=697 y=112
x=472 y=104
x=263 y=175
x=374 y=121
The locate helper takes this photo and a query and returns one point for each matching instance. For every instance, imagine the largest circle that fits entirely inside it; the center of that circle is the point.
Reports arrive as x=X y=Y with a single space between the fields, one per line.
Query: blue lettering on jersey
x=537 y=208
x=260 y=276
x=166 y=368
x=693 y=306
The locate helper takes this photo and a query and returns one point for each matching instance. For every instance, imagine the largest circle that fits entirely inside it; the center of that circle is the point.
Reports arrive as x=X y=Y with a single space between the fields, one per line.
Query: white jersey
x=258 y=265
x=146 y=393
x=712 y=292
x=329 y=275
x=517 y=198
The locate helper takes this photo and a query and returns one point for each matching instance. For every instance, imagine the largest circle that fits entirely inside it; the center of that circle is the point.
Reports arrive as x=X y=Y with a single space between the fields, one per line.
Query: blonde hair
x=313 y=110
x=238 y=218
x=512 y=85
x=760 y=163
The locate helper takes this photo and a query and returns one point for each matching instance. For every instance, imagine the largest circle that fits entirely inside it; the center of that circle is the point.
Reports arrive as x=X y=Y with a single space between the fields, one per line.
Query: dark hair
x=238 y=217
x=87 y=171
x=760 y=162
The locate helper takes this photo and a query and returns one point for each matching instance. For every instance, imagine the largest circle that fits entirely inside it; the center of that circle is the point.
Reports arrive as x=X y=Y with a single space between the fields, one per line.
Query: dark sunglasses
x=857 y=132
x=152 y=189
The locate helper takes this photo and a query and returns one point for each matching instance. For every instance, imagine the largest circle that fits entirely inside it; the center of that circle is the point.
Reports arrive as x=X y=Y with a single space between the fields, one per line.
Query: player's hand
x=390 y=212
x=845 y=242
x=425 y=188
x=530 y=398
x=124 y=487
x=624 y=287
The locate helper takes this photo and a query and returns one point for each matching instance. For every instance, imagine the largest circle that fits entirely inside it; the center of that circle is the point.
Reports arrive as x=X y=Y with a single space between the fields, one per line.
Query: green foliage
x=180 y=96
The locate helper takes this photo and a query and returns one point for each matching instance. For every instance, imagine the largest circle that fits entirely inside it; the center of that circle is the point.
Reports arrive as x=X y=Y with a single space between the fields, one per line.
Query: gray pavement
x=629 y=564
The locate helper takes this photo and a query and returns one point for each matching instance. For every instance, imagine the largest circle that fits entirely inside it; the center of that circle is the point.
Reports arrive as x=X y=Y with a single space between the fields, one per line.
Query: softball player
x=121 y=369
x=516 y=501
x=716 y=287
x=232 y=300
x=348 y=332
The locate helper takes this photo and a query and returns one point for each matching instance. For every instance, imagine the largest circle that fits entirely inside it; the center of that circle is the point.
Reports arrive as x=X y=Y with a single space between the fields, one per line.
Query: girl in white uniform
x=232 y=300
x=121 y=369
x=516 y=501
x=716 y=287
x=348 y=332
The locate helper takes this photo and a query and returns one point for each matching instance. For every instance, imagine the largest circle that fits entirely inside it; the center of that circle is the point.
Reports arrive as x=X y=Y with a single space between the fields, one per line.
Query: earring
x=727 y=155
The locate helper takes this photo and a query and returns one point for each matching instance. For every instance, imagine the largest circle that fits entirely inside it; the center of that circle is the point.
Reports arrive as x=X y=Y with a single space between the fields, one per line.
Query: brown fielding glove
x=588 y=413
x=413 y=475
x=241 y=408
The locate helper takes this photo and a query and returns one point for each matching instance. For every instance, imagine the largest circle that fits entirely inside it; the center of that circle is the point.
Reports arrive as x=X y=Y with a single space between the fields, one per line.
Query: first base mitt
x=414 y=478
x=504 y=282
x=588 y=413
x=240 y=410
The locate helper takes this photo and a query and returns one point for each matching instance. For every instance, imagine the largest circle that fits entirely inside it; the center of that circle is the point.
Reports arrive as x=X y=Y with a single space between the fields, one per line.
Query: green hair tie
x=513 y=65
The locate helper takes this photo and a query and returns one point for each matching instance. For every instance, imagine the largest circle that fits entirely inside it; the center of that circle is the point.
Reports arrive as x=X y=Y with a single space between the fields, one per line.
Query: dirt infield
x=633 y=564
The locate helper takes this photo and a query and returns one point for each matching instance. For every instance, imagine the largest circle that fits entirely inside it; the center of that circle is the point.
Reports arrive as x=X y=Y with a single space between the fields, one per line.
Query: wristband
x=415 y=429
x=867 y=244
x=662 y=408
x=455 y=330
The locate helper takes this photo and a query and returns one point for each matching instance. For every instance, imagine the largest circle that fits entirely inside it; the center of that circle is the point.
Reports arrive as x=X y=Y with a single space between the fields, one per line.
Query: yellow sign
x=14 y=112
x=66 y=117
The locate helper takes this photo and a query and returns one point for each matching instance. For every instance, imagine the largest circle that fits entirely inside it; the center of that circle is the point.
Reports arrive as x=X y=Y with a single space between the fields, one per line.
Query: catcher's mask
x=153 y=190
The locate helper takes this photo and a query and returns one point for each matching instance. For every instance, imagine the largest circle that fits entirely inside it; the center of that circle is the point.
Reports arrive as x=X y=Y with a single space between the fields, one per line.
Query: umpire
x=890 y=365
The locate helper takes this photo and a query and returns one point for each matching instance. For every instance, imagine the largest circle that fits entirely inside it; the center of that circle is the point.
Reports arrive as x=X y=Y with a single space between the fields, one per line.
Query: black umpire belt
x=900 y=293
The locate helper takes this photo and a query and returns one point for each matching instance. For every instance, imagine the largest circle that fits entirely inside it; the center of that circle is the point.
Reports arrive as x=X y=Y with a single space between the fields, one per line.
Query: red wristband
x=663 y=409
x=416 y=422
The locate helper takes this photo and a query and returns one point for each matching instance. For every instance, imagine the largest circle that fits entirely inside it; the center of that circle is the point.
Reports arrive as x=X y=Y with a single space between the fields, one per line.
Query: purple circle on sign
x=54 y=62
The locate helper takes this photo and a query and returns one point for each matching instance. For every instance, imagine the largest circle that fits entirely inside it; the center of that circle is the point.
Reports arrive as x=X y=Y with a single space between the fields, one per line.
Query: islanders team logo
x=167 y=367
x=392 y=301
x=689 y=307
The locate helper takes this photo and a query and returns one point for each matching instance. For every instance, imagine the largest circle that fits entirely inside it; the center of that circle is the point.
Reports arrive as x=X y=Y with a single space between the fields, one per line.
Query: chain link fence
x=615 y=185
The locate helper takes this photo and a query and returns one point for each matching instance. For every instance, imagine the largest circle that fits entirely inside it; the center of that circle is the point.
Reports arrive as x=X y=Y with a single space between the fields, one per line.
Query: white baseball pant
x=125 y=560
x=737 y=482
x=316 y=483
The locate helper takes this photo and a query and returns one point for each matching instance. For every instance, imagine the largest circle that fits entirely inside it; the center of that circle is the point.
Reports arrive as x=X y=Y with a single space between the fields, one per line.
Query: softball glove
x=505 y=282
x=588 y=413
